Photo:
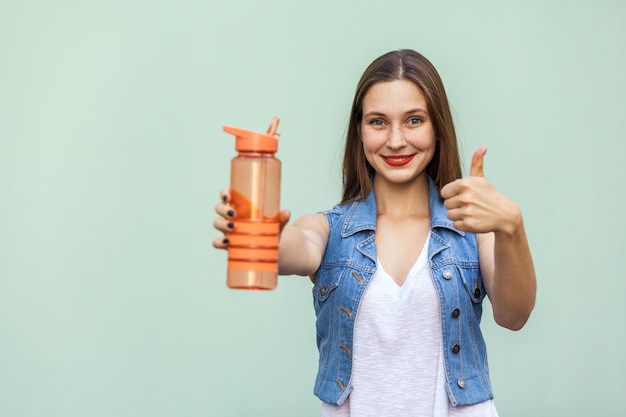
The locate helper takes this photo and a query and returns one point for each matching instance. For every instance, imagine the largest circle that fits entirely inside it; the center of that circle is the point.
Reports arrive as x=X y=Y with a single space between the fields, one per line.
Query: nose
x=396 y=138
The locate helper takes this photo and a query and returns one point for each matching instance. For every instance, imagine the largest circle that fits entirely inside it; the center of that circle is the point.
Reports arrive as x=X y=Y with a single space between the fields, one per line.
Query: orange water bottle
x=255 y=196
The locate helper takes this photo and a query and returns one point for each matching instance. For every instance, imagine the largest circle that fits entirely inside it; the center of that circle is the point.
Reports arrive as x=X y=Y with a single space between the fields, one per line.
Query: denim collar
x=362 y=214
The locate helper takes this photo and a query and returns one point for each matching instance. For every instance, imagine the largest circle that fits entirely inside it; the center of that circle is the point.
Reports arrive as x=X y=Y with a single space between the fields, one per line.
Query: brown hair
x=409 y=65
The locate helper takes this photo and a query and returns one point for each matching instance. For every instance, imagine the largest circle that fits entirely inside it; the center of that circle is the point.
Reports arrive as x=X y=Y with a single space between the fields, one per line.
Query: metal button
x=324 y=289
x=456 y=313
x=461 y=382
x=456 y=348
x=447 y=274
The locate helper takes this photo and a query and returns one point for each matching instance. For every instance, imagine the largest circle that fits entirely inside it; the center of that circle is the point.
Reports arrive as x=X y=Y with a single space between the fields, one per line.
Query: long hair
x=404 y=64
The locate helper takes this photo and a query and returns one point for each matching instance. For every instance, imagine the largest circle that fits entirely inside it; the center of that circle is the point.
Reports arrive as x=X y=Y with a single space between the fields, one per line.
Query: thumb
x=283 y=218
x=477 y=168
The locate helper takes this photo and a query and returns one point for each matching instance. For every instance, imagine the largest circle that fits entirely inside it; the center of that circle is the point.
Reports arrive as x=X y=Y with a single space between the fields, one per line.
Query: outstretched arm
x=506 y=264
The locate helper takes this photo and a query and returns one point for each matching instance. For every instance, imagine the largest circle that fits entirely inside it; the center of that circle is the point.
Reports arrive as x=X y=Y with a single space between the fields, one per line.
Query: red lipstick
x=398 y=160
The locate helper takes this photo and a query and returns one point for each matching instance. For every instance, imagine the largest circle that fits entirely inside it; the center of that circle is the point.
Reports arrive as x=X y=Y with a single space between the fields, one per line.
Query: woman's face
x=397 y=133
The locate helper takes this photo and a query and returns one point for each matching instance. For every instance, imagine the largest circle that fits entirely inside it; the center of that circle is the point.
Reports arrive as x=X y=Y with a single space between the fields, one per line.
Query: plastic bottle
x=255 y=197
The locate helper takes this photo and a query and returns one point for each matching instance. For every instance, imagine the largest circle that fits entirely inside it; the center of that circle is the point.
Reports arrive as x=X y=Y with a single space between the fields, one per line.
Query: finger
x=225 y=210
x=452 y=203
x=450 y=189
x=460 y=226
x=458 y=219
x=220 y=243
x=455 y=214
x=283 y=218
x=225 y=195
x=477 y=168
x=224 y=225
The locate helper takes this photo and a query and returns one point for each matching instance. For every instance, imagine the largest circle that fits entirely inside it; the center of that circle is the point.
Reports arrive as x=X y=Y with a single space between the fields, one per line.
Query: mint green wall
x=112 y=300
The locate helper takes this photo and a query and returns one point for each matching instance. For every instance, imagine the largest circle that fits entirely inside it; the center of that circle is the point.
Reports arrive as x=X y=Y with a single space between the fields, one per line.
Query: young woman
x=401 y=265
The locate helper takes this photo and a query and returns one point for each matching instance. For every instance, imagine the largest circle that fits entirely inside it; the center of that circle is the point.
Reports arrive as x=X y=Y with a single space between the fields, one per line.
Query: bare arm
x=509 y=275
x=302 y=245
x=505 y=259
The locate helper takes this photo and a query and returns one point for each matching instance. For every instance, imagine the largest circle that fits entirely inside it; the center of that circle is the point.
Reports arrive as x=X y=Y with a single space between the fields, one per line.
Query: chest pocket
x=326 y=282
x=472 y=281
x=324 y=300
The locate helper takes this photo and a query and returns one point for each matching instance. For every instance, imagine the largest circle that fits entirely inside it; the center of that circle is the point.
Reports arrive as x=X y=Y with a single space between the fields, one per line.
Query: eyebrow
x=412 y=111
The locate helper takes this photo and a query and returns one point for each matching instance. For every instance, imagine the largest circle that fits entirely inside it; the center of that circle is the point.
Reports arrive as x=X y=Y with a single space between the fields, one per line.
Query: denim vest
x=345 y=271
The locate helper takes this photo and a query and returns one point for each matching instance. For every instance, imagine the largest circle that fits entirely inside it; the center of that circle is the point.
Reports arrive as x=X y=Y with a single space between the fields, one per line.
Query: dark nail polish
x=231 y=225
x=225 y=241
x=231 y=213
x=224 y=198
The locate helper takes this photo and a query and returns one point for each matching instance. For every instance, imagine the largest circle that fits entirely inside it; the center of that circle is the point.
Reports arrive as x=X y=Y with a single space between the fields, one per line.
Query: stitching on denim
x=345 y=310
x=349 y=263
x=358 y=277
x=346 y=348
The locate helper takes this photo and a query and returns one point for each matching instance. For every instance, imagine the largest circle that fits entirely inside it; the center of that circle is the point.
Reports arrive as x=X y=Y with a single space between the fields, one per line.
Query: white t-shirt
x=398 y=362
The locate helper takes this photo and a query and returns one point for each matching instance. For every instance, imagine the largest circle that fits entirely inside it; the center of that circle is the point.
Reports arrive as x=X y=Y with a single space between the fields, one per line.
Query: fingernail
x=231 y=213
x=224 y=198
x=225 y=241
x=231 y=225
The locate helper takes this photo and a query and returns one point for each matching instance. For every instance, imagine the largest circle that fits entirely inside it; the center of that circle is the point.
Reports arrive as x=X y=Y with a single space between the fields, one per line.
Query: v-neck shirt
x=398 y=366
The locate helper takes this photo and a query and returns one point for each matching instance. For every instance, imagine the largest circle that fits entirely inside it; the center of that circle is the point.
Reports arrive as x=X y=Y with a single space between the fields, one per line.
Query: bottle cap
x=250 y=141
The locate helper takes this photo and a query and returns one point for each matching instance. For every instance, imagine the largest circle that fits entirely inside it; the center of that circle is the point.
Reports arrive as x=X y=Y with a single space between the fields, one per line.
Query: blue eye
x=376 y=122
x=415 y=120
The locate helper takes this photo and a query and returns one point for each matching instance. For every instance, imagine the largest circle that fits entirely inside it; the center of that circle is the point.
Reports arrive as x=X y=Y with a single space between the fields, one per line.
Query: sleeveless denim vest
x=342 y=278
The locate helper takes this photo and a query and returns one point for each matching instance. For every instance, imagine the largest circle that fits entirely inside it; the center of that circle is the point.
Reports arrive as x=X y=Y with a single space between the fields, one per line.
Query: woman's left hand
x=506 y=264
x=475 y=206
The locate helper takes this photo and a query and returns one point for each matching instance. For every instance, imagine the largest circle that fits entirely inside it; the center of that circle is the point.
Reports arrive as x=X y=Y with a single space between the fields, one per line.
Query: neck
x=402 y=200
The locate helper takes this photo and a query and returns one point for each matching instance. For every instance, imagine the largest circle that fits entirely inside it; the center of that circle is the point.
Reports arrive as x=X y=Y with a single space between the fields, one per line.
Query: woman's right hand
x=225 y=222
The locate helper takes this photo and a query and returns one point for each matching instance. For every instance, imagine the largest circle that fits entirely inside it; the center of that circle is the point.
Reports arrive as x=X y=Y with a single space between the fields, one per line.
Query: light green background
x=112 y=300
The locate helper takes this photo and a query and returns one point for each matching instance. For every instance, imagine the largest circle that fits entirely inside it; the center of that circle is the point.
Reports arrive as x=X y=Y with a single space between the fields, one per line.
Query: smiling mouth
x=398 y=160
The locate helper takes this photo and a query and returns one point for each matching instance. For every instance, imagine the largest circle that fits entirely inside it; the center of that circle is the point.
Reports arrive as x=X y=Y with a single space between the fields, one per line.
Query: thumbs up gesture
x=475 y=206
